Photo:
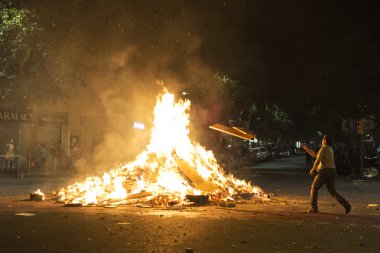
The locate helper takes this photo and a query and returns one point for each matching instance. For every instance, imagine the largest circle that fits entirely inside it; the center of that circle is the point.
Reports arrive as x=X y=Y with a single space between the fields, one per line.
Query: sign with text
x=10 y=115
x=54 y=118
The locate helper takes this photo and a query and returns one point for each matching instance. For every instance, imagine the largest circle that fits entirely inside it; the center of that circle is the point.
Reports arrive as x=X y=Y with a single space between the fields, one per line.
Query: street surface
x=279 y=225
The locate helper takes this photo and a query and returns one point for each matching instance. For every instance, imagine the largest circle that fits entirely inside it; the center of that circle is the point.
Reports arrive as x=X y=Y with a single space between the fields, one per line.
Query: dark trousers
x=325 y=177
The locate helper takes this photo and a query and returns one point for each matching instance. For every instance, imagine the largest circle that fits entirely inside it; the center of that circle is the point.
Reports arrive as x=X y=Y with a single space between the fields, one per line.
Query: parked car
x=284 y=151
x=280 y=152
x=260 y=154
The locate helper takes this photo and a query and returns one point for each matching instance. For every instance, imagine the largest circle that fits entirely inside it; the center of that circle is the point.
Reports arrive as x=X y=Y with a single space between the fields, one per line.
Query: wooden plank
x=138 y=195
x=232 y=131
x=244 y=131
x=192 y=174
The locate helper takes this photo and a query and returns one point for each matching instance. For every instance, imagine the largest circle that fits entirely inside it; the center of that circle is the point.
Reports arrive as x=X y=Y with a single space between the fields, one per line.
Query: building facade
x=46 y=139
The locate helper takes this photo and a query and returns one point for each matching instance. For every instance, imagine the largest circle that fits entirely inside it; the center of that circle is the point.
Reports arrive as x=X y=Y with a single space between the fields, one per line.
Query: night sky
x=288 y=52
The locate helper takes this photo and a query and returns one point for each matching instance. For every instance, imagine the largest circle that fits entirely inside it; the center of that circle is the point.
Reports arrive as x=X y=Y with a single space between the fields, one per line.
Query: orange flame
x=171 y=168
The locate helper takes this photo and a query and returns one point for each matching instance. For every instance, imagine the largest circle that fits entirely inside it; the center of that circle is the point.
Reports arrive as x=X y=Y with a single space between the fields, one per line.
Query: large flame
x=171 y=168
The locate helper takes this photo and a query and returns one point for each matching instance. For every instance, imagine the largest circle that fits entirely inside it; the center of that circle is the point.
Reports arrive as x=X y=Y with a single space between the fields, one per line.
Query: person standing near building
x=324 y=171
x=9 y=156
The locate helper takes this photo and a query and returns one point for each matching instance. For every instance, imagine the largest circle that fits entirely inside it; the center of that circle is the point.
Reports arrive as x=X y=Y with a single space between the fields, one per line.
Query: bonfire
x=172 y=171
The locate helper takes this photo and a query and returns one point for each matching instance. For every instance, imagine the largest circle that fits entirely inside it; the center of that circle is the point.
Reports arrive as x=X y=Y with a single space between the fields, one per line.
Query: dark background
x=318 y=61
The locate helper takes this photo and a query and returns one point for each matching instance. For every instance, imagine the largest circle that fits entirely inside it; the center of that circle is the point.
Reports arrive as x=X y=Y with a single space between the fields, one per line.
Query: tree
x=33 y=36
x=18 y=29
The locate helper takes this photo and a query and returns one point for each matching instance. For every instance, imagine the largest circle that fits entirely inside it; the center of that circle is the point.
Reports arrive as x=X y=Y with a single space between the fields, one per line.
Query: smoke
x=114 y=53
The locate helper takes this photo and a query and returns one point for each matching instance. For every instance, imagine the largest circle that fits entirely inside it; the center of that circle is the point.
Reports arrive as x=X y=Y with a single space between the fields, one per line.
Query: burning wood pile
x=173 y=171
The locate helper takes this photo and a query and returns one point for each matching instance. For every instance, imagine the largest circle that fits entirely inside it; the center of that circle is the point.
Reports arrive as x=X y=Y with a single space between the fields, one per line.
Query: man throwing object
x=324 y=171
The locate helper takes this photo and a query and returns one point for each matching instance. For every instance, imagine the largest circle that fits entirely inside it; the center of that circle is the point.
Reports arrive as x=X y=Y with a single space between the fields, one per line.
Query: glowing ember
x=39 y=192
x=171 y=168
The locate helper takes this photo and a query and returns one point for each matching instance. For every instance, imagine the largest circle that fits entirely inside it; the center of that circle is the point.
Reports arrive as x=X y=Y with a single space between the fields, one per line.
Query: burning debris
x=173 y=171
x=37 y=195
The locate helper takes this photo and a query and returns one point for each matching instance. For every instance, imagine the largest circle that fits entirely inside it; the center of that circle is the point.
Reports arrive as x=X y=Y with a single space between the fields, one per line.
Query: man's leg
x=317 y=183
x=330 y=186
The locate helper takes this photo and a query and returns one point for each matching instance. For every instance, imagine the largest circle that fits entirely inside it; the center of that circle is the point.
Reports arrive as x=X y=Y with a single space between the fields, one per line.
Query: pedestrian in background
x=9 y=156
x=324 y=172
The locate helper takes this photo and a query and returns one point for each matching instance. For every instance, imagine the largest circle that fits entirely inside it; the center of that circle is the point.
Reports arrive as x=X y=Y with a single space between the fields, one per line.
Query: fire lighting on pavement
x=172 y=171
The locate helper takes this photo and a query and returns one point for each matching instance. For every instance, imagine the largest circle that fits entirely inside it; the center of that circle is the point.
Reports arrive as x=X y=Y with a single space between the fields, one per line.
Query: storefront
x=47 y=142
x=14 y=125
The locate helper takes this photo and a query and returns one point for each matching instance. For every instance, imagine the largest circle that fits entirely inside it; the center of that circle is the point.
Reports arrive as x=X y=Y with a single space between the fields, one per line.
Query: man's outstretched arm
x=308 y=150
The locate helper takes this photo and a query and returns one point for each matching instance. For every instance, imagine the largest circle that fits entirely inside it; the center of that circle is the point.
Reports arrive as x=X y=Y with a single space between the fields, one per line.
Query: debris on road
x=37 y=195
x=25 y=214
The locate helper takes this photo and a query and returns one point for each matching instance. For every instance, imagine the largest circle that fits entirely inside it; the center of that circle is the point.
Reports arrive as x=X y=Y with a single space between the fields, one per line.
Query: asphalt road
x=278 y=225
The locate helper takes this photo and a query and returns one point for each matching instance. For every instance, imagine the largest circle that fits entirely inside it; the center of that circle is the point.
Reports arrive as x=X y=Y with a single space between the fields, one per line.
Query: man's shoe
x=312 y=210
x=347 y=208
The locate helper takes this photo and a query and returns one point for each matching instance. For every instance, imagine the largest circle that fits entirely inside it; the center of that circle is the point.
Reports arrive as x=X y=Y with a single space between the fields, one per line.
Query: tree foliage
x=18 y=30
